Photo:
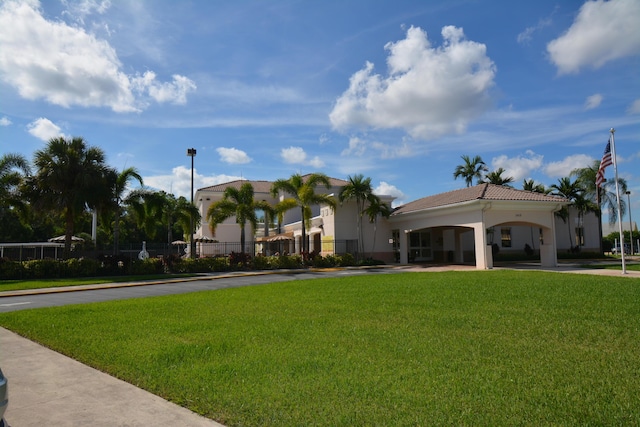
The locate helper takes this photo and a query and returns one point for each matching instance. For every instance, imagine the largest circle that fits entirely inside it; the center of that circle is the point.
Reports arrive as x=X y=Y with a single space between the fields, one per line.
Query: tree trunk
x=68 y=233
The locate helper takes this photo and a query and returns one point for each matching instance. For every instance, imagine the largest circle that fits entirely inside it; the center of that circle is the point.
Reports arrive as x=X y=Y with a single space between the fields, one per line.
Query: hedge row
x=112 y=266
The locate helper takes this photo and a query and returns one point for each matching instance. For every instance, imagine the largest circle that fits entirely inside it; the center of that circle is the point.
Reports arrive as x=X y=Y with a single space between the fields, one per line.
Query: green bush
x=42 y=268
x=11 y=269
x=262 y=263
x=147 y=266
x=347 y=260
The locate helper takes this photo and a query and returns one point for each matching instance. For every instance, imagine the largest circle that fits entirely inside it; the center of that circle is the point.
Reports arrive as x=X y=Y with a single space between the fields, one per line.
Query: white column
x=484 y=257
x=404 y=247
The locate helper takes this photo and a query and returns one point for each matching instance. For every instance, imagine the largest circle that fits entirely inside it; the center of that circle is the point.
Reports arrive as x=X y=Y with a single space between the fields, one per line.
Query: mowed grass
x=452 y=348
x=17 y=285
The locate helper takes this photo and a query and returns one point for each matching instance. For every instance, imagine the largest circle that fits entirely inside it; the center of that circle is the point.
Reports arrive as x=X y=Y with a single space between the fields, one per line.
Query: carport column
x=548 y=250
x=484 y=257
x=404 y=247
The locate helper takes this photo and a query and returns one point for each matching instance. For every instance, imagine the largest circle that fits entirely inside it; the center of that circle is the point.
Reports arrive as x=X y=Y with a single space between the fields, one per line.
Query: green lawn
x=14 y=285
x=452 y=348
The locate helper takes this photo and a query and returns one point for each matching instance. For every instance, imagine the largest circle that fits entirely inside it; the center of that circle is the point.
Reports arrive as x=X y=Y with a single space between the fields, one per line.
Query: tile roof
x=258 y=186
x=261 y=186
x=478 y=192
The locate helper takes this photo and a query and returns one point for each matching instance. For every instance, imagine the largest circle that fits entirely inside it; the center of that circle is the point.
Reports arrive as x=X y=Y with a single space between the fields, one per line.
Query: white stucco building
x=460 y=226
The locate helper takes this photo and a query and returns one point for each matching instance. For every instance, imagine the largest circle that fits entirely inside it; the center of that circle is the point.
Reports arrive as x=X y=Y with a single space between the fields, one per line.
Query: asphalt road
x=15 y=303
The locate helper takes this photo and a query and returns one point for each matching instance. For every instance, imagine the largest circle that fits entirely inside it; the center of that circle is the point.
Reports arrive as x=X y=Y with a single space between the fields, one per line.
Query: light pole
x=191 y=152
x=628 y=193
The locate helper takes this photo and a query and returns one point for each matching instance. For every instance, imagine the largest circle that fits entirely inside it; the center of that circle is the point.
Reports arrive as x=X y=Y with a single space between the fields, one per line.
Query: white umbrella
x=61 y=239
x=178 y=242
x=204 y=239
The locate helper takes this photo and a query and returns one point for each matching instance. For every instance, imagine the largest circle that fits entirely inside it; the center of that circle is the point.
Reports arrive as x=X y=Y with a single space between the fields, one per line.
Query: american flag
x=606 y=161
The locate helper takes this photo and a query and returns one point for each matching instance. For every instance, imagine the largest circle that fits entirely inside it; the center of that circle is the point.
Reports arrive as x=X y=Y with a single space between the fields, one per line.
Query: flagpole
x=615 y=168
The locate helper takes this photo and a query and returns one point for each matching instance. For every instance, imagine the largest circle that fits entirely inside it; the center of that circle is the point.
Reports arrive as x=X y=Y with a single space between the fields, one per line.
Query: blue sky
x=395 y=90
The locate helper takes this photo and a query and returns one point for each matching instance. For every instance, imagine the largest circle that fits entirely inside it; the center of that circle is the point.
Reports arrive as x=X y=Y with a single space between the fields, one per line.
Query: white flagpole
x=615 y=168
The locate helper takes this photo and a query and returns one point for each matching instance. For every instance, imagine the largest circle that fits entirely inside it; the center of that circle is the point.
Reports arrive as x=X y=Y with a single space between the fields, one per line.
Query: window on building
x=505 y=233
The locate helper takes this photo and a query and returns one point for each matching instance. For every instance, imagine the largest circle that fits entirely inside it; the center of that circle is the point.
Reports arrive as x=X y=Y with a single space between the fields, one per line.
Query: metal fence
x=31 y=251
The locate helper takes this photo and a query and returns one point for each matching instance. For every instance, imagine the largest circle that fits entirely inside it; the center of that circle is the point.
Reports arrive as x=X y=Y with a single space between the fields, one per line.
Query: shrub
x=239 y=260
x=262 y=263
x=11 y=269
x=347 y=260
x=42 y=268
x=147 y=266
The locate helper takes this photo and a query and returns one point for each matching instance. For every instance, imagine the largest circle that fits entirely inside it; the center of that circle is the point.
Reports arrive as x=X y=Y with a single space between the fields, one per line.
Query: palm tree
x=358 y=189
x=303 y=196
x=604 y=196
x=14 y=168
x=495 y=177
x=70 y=177
x=375 y=209
x=120 y=185
x=570 y=191
x=530 y=185
x=472 y=168
x=156 y=209
x=239 y=203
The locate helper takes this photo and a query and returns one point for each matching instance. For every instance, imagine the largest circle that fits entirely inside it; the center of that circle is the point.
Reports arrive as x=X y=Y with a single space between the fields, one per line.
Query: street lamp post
x=628 y=193
x=191 y=152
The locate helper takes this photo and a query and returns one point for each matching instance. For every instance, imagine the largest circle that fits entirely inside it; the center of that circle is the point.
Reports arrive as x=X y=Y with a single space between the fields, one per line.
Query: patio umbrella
x=279 y=238
x=178 y=242
x=204 y=239
x=61 y=239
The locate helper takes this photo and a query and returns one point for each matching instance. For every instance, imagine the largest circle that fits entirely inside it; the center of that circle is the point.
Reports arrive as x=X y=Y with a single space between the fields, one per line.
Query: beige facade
x=463 y=225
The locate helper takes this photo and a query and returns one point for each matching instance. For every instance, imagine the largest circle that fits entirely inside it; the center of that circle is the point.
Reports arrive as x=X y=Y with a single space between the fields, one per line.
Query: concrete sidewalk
x=49 y=389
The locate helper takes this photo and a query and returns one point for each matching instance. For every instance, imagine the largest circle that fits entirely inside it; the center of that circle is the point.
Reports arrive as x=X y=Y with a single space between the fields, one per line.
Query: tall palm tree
x=119 y=188
x=376 y=209
x=495 y=177
x=302 y=195
x=472 y=168
x=239 y=203
x=604 y=196
x=571 y=191
x=14 y=168
x=70 y=177
x=358 y=189
x=155 y=210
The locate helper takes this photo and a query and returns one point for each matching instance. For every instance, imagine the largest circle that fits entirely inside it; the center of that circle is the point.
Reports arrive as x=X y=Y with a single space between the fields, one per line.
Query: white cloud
x=564 y=167
x=67 y=66
x=634 y=108
x=602 y=32
x=593 y=101
x=519 y=167
x=233 y=156
x=79 y=9
x=174 y=92
x=179 y=181
x=386 y=189
x=388 y=151
x=429 y=91
x=44 y=129
x=296 y=155
x=357 y=147
x=527 y=35
x=4 y=121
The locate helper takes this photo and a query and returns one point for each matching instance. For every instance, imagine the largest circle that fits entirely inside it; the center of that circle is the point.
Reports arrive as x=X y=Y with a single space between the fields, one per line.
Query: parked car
x=616 y=250
x=4 y=399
